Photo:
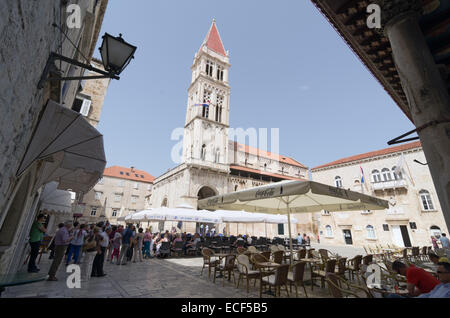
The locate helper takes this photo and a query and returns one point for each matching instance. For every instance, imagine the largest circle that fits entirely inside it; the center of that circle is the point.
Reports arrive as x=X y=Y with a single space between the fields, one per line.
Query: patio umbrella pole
x=289 y=225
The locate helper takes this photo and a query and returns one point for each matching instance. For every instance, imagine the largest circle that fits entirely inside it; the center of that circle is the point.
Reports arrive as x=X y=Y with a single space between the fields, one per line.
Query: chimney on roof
x=132 y=169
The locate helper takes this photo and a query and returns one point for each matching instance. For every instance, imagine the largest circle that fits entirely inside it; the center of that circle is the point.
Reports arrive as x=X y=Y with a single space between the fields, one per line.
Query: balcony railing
x=389 y=184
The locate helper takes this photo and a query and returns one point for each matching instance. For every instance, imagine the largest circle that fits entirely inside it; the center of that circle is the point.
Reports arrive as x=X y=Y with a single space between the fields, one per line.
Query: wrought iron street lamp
x=116 y=55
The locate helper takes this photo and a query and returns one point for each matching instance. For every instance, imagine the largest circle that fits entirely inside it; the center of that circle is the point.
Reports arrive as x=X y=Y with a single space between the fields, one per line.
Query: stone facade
x=28 y=37
x=414 y=212
x=122 y=196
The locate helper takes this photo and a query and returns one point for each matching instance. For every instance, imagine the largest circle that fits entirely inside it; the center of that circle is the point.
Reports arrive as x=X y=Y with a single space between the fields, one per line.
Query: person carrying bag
x=90 y=248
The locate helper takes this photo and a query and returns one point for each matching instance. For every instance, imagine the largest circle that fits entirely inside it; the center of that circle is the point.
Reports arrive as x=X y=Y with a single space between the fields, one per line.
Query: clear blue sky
x=289 y=70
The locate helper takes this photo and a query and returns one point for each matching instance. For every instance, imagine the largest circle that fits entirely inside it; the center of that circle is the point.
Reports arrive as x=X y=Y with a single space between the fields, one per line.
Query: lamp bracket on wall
x=399 y=140
x=55 y=56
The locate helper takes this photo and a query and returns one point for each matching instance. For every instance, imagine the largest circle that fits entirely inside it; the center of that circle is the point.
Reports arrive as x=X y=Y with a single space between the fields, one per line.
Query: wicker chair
x=334 y=286
x=278 y=279
x=341 y=267
x=244 y=268
x=296 y=277
x=278 y=257
x=330 y=266
x=252 y=249
x=266 y=254
x=241 y=250
x=207 y=261
x=367 y=260
x=273 y=248
x=228 y=266
x=354 y=266
x=301 y=253
x=310 y=253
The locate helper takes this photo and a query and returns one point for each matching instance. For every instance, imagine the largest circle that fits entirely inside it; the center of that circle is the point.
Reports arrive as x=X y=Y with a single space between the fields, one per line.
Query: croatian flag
x=204 y=105
x=362 y=174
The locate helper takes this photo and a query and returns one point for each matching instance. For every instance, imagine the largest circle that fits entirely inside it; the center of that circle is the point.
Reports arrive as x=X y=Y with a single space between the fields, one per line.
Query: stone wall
x=26 y=39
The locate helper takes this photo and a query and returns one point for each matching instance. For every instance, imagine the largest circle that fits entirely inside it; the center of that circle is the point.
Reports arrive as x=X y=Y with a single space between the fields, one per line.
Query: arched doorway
x=204 y=228
x=205 y=192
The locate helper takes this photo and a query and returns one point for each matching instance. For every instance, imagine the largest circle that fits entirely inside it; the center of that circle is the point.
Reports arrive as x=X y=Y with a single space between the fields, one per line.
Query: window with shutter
x=85 y=107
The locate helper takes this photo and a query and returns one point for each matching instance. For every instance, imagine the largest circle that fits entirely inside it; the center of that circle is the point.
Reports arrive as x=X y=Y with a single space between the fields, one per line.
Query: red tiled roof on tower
x=128 y=173
x=213 y=41
x=371 y=154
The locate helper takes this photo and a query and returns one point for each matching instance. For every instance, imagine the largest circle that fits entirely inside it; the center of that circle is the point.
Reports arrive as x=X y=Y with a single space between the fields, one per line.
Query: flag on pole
x=203 y=105
x=363 y=180
x=362 y=175
x=399 y=167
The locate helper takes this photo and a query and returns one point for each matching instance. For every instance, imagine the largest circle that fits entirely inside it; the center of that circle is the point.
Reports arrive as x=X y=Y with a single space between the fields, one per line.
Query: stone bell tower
x=207 y=117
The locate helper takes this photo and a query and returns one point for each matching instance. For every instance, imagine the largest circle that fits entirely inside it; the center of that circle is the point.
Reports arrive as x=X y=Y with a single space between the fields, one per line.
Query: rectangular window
x=134 y=198
x=117 y=198
x=385 y=227
x=280 y=229
x=121 y=183
x=136 y=185
x=149 y=187
x=114 y=213
x=93 y=211
x=413 y=225
x=100 y=181
x=98 y=195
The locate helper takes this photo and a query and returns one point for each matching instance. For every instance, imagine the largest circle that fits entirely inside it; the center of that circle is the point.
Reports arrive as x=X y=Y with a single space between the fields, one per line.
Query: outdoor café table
x=386 y=289
x=311 y=262
x=268 y=265
x=20 y=279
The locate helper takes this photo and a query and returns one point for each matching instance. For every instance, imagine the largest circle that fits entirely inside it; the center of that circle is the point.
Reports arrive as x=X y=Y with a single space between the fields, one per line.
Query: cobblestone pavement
x=172 y=277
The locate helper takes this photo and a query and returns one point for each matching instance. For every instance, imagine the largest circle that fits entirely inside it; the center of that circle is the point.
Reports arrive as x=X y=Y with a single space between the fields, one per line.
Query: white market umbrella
x=288 y=197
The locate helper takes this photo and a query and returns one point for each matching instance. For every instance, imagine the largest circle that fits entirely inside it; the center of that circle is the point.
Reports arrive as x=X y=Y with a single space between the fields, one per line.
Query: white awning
x=72 y=150
x=54 y=200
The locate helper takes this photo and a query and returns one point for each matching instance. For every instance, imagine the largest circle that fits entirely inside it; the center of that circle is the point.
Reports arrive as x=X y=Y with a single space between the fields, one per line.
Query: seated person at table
x=433 y=257
x=196 y=239
x=418 y=281
x=239 y=239
x=177 y=239
x=441 y=290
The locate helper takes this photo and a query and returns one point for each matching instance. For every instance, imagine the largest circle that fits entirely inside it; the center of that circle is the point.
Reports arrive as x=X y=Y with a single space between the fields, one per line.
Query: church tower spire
x=207 y=115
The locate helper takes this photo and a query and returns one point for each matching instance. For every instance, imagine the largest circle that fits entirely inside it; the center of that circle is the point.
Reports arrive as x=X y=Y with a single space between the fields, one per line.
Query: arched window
x=397 y=176
x=338 y=181
x=203 y=152
x=435 y=231
x=329 y=231
x=370 y=232
x=376 y=177
x=386 y=174
x=425 y=198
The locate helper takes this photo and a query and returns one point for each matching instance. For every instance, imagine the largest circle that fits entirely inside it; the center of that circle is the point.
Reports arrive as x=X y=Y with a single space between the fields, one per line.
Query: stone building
x=120 y=192
x=32 y=117
x=213 y=162
x=394 y=174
